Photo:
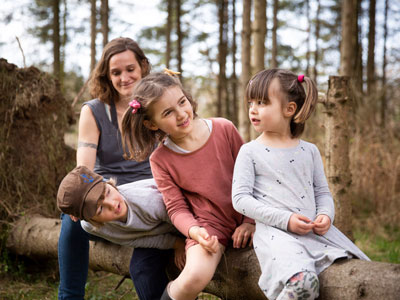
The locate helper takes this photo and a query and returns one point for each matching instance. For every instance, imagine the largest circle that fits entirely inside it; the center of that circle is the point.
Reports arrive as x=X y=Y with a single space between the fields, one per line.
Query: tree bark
x=235 y=113
x=259 y=33
x=371 y=49
x=104 y=16
x=222 y=103
x=274 y=50
x=337 y=108
x=384 y=64
x=93 y=33
x=56 y=40
x=317 y=33
x=179 y=37
x=168 y=34
x=349 y=36
x=244 y=123
x=236 y=276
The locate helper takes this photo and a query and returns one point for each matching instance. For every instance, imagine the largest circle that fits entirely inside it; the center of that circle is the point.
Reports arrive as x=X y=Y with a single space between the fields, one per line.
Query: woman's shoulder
x=93 y=103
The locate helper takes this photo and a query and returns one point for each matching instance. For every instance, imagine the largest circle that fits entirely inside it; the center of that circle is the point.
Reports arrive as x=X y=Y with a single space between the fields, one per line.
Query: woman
x=121 y=66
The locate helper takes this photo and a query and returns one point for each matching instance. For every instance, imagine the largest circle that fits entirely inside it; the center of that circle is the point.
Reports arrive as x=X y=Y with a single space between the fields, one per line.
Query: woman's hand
x=200 y=234
x=300 y=224
x=243 y=234
x=180 y=255
x=322 y=224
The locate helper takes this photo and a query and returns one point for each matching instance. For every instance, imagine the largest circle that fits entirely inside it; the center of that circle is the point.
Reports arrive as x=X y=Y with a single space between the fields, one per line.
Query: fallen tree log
x=236 y=276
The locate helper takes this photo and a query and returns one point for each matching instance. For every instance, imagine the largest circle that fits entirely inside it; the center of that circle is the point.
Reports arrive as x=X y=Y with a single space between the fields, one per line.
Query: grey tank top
x=109 y=158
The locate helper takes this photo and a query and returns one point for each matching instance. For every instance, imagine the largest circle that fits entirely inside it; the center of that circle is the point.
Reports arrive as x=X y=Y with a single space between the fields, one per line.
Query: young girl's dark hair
x=291 y=87
x=139 y=141
x=100 y=84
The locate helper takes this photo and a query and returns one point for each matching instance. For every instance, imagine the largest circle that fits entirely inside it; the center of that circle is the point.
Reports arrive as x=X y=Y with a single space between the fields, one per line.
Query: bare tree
x=179 y=35
x=308 y=36
x=349 y=36
x=259 y=34
x=56 y=39
x=233 y=80
x=384 y=63
x=371 y=49
x=274 y=50
x=244 y=124
x=317 y=33
x=168 y=33
x=104 y=16
x=93 y=33
x=222 y=53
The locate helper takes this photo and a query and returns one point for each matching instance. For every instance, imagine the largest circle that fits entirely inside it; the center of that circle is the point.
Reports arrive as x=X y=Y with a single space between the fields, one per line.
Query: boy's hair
x=100 y=84
x=139 y=141
x=293 y=91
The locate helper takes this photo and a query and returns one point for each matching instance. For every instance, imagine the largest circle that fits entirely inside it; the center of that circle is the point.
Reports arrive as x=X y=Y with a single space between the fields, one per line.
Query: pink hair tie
x=300 y=78
x=135 y=106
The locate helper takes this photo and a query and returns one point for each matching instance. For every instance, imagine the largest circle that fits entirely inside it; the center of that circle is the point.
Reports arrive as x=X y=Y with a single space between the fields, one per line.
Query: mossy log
x=237 y=274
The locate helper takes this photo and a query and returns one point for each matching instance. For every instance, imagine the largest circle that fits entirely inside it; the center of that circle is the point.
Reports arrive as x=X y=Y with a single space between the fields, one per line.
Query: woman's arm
x=88 y=138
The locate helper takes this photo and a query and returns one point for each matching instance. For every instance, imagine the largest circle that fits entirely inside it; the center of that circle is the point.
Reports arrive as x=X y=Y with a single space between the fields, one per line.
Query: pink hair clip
x=135 y=105
x=300 y=78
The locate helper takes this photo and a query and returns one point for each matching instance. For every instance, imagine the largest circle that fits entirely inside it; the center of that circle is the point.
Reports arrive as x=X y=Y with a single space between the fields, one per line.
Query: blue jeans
x=73 y=259
x=147 y=266
x=147 y=269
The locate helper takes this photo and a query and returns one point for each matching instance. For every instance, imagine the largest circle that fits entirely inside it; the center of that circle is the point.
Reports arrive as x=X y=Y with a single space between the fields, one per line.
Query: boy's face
x=112 y=208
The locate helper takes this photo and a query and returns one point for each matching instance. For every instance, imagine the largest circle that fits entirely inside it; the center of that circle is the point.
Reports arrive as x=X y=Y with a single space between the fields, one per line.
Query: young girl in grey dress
x=279 y=181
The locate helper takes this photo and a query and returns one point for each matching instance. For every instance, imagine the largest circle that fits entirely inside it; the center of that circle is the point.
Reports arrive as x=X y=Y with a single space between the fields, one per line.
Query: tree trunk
x=244 y=123
x=56 y=40
x=384 y=63
x=308 y=37
x=93 y=33
x=235 y=113
x=371 y=49
x=236 y=276
x=63 y=44
x=222 y=105
x=317 y=33
x=168 y=34
x=338 y=106
x=179 y=36
x=349 y=36
x=274 y=50
x=104 y=16
x=259 y=32
x=358 y=74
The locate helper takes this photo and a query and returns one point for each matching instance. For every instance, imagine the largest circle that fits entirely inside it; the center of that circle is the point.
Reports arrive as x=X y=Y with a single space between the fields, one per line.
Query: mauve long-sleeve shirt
x=196 y=186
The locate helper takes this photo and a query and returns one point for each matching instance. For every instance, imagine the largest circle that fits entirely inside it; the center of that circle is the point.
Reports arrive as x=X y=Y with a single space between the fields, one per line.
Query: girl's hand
x=200 y=234
x=300 y=224
x=322 y=224
x=243 y=234
x=180 y=255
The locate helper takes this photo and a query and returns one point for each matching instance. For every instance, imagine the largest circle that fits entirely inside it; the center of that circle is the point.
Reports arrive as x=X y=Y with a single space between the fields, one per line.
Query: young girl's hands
x=322 y=224
x=300 y=224
x=243 y=234
x=200 y=234
x=180 y=255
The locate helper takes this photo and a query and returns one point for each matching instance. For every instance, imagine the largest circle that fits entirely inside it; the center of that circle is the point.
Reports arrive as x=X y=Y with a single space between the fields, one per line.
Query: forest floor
x=21 y=279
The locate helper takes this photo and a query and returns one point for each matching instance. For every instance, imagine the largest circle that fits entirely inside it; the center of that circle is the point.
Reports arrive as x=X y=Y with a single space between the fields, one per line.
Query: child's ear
x=150 y=125
x=290 y=109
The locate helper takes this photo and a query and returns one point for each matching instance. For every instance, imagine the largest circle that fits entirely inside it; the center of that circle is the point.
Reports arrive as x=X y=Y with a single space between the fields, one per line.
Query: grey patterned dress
x=270 y=184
